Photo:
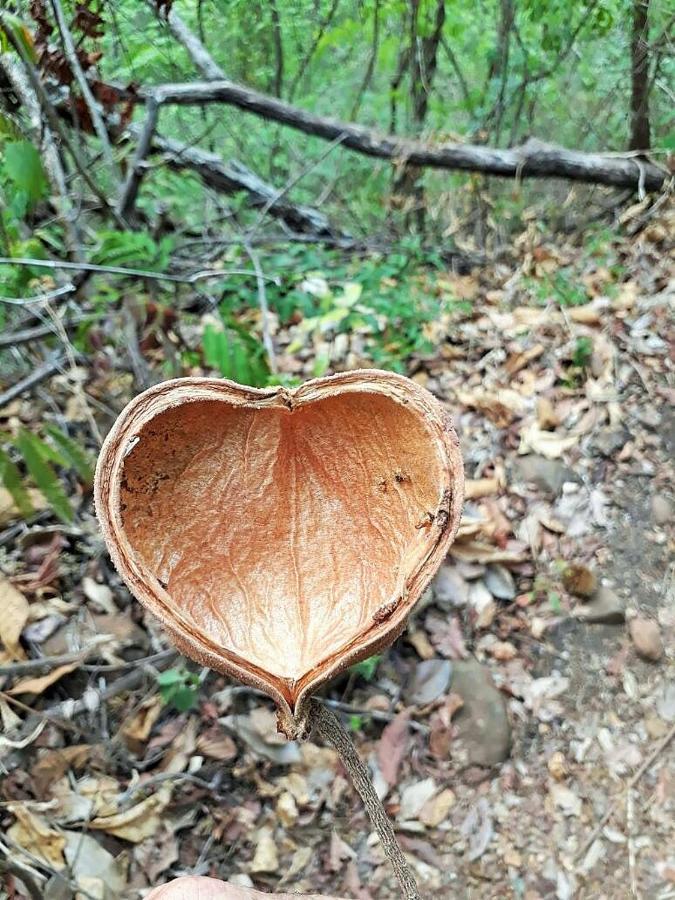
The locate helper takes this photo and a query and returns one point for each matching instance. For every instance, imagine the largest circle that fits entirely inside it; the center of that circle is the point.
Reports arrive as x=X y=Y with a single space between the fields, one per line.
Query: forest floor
x=520 y=731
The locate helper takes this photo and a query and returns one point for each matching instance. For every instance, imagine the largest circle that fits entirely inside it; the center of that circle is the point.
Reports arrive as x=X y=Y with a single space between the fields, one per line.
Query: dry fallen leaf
x=136 y=730
x=95 y=870
x=15 y=612
x=9 y=511
x=393 y=747
x=547 y=443
x=437 y=808
x=137 y=823
x=32 y=832
x=266 y=857
x=480 y=487
x=40 y=685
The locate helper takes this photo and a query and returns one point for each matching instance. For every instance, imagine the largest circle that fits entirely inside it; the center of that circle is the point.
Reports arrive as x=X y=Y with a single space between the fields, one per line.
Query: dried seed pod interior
x=280 y=535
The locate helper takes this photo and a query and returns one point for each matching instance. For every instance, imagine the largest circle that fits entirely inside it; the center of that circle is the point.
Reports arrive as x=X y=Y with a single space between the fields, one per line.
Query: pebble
x=606 y=607
x=609 y=441
x=450 y=590
x=662 y=511
x=547 y=474
x=482 y=723
x=499 y=582
x=646 y=637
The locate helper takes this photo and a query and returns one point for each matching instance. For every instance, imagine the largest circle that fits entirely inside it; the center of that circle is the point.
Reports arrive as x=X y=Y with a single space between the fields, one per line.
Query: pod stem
x=331 y=729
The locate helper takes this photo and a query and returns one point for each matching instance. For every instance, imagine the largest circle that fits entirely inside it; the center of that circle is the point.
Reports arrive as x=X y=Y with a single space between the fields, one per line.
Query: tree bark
x=534 y=159
x=423 y=56
x=640 y=136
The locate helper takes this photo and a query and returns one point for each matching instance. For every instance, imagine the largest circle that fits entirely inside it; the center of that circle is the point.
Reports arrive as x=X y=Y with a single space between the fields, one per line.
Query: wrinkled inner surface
x=282 y=534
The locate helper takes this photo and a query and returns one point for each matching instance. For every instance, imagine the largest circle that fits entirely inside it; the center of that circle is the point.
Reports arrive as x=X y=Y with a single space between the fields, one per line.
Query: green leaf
x=23 y=167
x=367 y=667
x=171 y=677
x=44 y=476
x=11 y=478
x=184 y=698
x=76 y=456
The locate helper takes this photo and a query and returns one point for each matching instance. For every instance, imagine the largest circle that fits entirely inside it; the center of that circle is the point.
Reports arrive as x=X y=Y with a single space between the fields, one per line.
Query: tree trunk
x=423 y=58
x=640 y=136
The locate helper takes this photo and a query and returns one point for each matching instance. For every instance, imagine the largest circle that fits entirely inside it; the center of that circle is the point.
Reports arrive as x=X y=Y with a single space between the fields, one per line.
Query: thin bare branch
x=264 y=307
x=202 y=275
x=53 y=365
x=137 y=168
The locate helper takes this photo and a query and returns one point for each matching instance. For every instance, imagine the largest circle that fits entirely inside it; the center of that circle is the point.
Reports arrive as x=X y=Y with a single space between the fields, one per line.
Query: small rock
x=665 y=702
x=656 y=728
x=414 y=796
x=500 y=583
x=503 y=651
x=605 y=607
x=436 y=810
x=646 y=636
x=547 y=474
x=480 y=599
x=609 y=441
x=662 y=511
x=482 y=723
x=579 y=580
x=557 y=766
x=431 y=679
x=450 y=590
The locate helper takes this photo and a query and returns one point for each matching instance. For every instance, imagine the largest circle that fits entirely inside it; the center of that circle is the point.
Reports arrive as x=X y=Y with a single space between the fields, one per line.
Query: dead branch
x=55 y=123
x=233 y=176
x=46 y=370
x=137 y=169
x=36 y=333
x=202 y=275
x=534 y=159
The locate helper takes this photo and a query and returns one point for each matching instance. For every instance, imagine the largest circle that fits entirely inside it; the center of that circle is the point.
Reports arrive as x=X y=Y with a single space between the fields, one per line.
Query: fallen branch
x=232 y=177
x=44 y=138
x=87 y=96
x=26 y=335
x=121 y=270
x=42 y=373
x=534 y=159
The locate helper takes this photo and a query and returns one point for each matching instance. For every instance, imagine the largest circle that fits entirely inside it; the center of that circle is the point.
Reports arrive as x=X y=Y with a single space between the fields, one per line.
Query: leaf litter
x=546 y=639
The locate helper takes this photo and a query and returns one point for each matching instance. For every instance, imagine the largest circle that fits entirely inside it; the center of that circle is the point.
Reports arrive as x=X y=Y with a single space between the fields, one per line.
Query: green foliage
x=10 y=476
x=179 y=688
x=583 y=350
x=562 y=288
x=236 y=354
x=389 y=299
x=73 y=454
x=367 y=667
x=38 y=456
x=22 y=166
x=132 y=249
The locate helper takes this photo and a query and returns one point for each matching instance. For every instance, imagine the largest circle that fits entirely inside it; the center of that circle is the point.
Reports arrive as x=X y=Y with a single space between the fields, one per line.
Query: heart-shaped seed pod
x=281 y=535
